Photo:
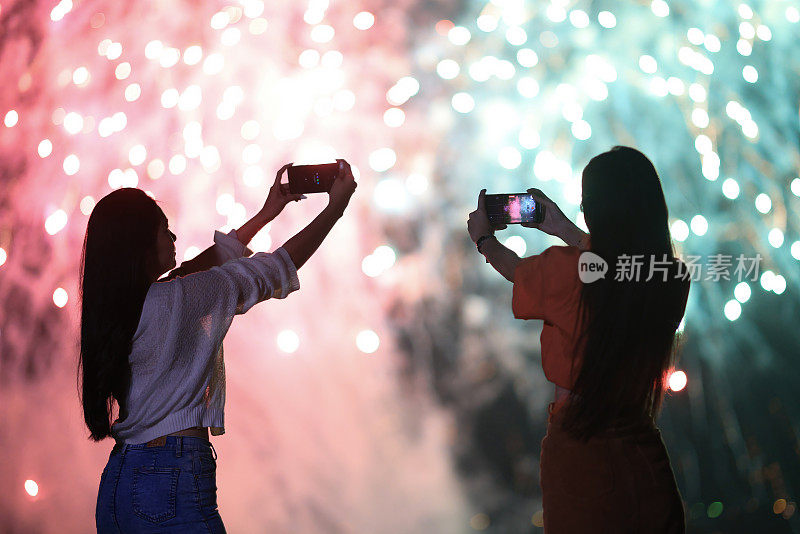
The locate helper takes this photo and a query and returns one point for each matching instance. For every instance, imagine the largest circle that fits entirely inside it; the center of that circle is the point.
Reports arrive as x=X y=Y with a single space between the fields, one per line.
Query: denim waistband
x=177 y=443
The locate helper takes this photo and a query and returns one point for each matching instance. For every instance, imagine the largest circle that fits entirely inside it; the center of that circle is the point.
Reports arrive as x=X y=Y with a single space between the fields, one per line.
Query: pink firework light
x=199 y=103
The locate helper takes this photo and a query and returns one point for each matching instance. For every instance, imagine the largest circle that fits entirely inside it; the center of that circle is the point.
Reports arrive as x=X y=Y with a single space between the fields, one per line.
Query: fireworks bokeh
x=395 y=392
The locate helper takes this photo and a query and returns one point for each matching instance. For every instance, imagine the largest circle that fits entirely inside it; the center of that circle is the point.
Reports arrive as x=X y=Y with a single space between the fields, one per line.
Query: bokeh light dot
x=363 y=20
x=516 y=36
x=322 y=33
x=677 y=380
x=71 y=164
x=697 y=92
x=87 y=205
x=394 y=117
x=152 y=50
x=527 y=57
x=133 y=92
x=742 y=292
x=230 y=36
x=219 y=20
x=60 y=297
x=31 y=487
x=459 y=35
x=250 y=130
x=660 y=8
x=447 y=69
x=775 y=237
x=648 y=64
x=213 y=64
x=679 y=230
x=367 y=341
x=606 y=19
x=487 y=23
x=382 y=159
x=73 y=122
x=699 y=225
x=763 y=203
x=80 y=76
x=192 y=55
x=137 y=155
x=516 y=244
x=767 y=277
x=778 y=284
x=556 y=13
x=578 y=18
x=258 y=26
x=288 y=341
x=114 y=51
x=581 y=129
x=509 y=157
x=744 y=47
x=253 y=176
x=462 y=102
x=155 y=169
x=177 y=164
x=795 y=187
x=55 y=222
x=529 y=138
x=45 y=148
x=730 y=188
x=732 y=310
x=795 y=249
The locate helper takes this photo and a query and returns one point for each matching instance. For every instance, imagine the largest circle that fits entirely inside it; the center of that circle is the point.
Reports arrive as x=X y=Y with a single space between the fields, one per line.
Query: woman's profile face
x=165 y=247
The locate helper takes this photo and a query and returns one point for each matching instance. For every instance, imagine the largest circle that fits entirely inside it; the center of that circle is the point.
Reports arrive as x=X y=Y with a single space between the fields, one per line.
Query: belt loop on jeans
x=179 y=441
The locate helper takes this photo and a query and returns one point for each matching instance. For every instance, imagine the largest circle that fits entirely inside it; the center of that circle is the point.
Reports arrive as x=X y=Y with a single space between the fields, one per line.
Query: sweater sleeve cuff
x=229 y=246
x=294 y=281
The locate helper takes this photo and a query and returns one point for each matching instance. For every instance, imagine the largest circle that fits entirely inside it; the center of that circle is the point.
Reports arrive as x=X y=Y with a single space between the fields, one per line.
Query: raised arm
x=301 y=246
x=277 y=199
x=501 y=258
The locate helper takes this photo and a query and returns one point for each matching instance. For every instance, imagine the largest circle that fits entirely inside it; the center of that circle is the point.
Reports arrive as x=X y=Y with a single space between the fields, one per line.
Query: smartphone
x=312 y=178
x=513 y=208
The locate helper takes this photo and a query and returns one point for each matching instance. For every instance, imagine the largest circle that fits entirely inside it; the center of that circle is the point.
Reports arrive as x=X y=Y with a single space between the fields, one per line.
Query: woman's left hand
x=278 y=196
x=478 y=224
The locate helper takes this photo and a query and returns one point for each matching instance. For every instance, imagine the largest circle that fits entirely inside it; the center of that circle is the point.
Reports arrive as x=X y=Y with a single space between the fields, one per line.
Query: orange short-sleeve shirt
x=547 y=287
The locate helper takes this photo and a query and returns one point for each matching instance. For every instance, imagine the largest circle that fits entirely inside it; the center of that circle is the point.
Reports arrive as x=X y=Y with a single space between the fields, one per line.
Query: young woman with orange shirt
x=607 y=346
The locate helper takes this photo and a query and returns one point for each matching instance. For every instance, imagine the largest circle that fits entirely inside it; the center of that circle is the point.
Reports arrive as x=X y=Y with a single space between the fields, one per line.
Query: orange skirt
x=620 y=481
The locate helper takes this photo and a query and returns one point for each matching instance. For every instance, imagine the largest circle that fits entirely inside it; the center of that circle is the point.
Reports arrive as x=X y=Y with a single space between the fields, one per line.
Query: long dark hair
x=628 y=336
x=117 y=263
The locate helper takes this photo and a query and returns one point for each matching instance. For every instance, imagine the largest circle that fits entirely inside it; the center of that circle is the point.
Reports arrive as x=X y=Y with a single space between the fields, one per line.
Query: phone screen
x=513 y=208
x=312 y=178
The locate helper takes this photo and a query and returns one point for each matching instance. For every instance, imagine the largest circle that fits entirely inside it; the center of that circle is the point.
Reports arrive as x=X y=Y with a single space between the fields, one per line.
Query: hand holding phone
x=343 y=187
x=554 y=221
x=279 y=196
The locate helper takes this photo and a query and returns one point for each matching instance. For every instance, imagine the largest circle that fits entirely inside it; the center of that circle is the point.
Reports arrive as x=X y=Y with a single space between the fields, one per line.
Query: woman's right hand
x=557 y=224
x=344 y=185
x=278 y=197
x=554 y=221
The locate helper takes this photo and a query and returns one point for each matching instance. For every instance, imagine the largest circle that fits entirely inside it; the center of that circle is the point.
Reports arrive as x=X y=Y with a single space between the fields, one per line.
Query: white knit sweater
x=177 y=364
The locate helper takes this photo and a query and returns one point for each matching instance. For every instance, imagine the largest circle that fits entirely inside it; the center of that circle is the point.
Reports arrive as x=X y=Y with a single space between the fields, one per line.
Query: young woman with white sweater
x=153 y=347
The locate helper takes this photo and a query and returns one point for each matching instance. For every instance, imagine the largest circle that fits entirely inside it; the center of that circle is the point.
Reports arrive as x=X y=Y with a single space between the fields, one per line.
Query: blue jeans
x=168 y=488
